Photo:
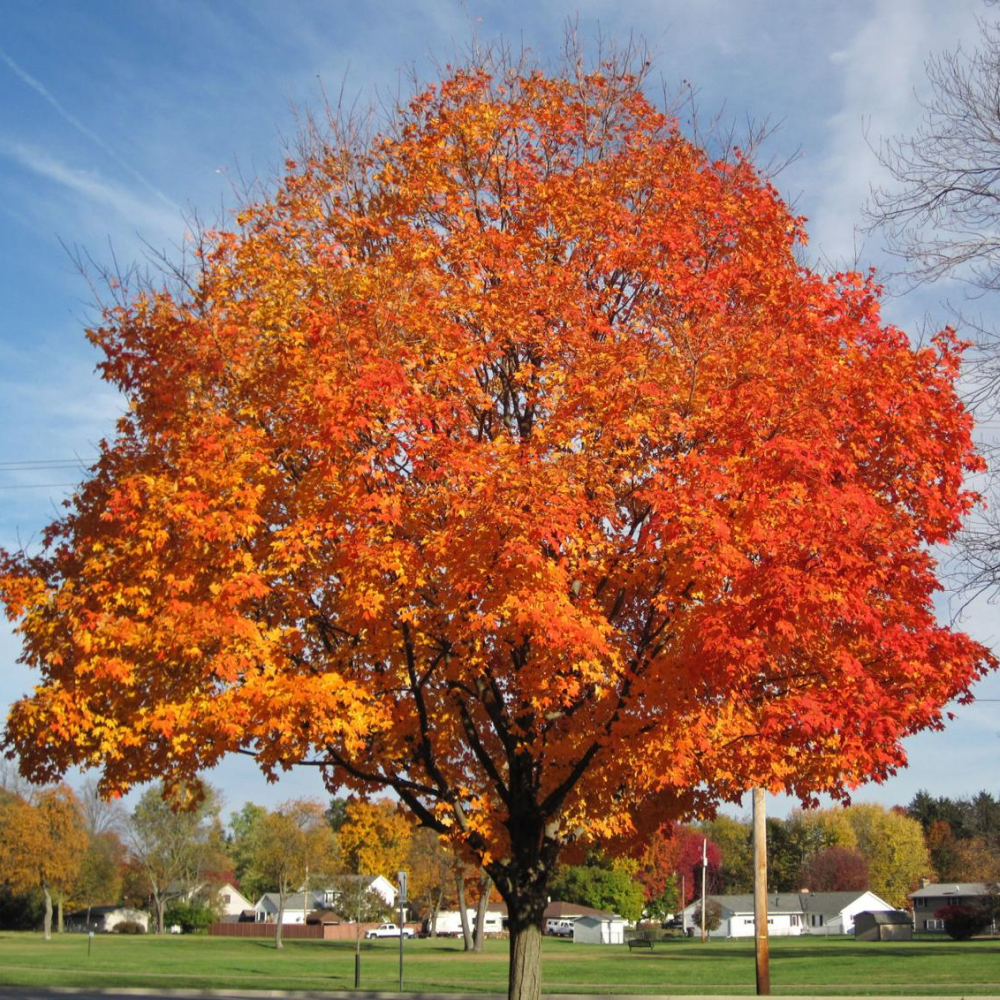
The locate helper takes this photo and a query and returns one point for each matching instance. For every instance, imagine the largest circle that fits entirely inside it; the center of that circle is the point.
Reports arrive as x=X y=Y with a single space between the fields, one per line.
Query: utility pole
x=761 y=949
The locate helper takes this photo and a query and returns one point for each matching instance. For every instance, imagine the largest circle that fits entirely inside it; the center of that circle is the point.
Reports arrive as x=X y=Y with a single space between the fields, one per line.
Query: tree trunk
x=281 y=918
x=485 y=888
x=524 y=889
x=161 y=905
x=47 y=919
x=59 y=913
x=525 y=974
x=463 y=911
x=435 y=910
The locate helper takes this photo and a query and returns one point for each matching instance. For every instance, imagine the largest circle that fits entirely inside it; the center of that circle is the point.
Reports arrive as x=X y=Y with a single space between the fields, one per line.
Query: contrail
x=68 y=116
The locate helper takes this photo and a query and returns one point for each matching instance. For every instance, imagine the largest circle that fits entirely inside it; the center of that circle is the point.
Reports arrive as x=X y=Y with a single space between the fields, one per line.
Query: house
x=230 y=903
x=297 y=906
x=603 y=928
x=368 y=883
x=790 y=914
x=932 y=896
x=104 y=919
x=883 y=925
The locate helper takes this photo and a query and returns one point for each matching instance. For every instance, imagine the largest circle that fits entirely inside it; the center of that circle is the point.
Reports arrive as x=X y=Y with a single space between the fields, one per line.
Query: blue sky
x=119 y=121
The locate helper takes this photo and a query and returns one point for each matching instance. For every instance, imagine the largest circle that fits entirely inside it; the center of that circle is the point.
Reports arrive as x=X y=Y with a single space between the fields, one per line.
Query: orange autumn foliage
x=508 y=460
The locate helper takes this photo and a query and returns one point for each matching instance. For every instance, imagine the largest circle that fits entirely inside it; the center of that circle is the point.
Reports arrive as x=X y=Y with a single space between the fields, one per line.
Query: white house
x=791 y=913
x=230 y=903
x=104 y=919
x=604 y=928
x=297 y=906
x=372 y=883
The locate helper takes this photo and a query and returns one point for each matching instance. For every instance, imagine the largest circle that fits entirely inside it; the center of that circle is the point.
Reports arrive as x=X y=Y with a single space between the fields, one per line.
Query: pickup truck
x=388 y=931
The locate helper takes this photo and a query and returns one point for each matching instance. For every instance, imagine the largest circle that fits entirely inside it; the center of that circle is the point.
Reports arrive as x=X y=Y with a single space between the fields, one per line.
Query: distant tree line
x=63 y=850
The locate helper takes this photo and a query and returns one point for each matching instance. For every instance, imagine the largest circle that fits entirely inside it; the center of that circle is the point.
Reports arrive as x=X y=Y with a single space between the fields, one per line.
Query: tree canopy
x=507 y=458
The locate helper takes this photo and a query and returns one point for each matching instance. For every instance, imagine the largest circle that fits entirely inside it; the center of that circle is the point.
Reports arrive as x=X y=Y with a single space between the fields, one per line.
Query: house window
x=795 y=920
x=933 y=924
x=226 y=898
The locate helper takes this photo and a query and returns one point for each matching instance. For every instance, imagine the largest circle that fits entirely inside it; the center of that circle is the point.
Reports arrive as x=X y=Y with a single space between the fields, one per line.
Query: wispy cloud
x=881 y=72
x=142 y=215
x=69 y=117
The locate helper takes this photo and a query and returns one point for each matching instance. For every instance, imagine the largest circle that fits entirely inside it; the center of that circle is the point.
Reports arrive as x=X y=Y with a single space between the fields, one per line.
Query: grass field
x=798 y=965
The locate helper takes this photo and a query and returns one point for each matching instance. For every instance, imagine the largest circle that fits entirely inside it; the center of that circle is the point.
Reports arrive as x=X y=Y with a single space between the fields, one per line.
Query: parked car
x=388 y=931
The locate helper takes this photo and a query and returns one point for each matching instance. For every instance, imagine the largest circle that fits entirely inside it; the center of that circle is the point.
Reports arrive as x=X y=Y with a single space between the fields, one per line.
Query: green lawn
x=802 y=965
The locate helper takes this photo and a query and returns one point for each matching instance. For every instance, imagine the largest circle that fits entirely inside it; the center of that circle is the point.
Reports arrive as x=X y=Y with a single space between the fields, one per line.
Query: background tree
x=357 y=902
x=941 y=218
x=893 y=845
x=834 y=869
x=41 y=845
x=374 y=838
x=713 y=915
x=289 y=847
x=504 y=458
x=734 y=839
x=336 y=813
x=170 y=840
x=690 y=844
x=602 y=885
x=98 y=814
x=100 y=880
x=243 y=826
x=429 y=862
x=656 y=871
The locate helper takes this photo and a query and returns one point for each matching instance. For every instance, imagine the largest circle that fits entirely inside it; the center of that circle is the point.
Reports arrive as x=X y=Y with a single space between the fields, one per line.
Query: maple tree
x=508 y=459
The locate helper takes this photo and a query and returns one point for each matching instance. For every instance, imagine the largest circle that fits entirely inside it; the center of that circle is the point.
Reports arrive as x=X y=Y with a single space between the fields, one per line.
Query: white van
x=559 y=927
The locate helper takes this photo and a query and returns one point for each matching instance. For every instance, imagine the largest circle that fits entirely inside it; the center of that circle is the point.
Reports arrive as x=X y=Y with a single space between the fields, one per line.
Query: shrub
x=128 y=927
x=962 y=922
x=190 y=917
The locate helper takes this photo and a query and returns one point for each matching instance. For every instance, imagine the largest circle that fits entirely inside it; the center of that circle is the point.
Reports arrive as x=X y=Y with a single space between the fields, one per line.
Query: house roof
x=886 y=916
x=310 y=900
x=560 y=910
x=596 y=919
x=101 y=911
x=939 y=889
x=325 y=917
x=791 y=902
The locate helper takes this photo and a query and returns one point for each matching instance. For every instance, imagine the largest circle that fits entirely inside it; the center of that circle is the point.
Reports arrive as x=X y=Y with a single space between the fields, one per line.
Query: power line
x=37 y=486
x=28 y=465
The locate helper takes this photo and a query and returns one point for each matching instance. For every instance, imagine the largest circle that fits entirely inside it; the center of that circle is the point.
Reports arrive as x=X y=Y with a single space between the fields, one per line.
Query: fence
x=315 y=932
